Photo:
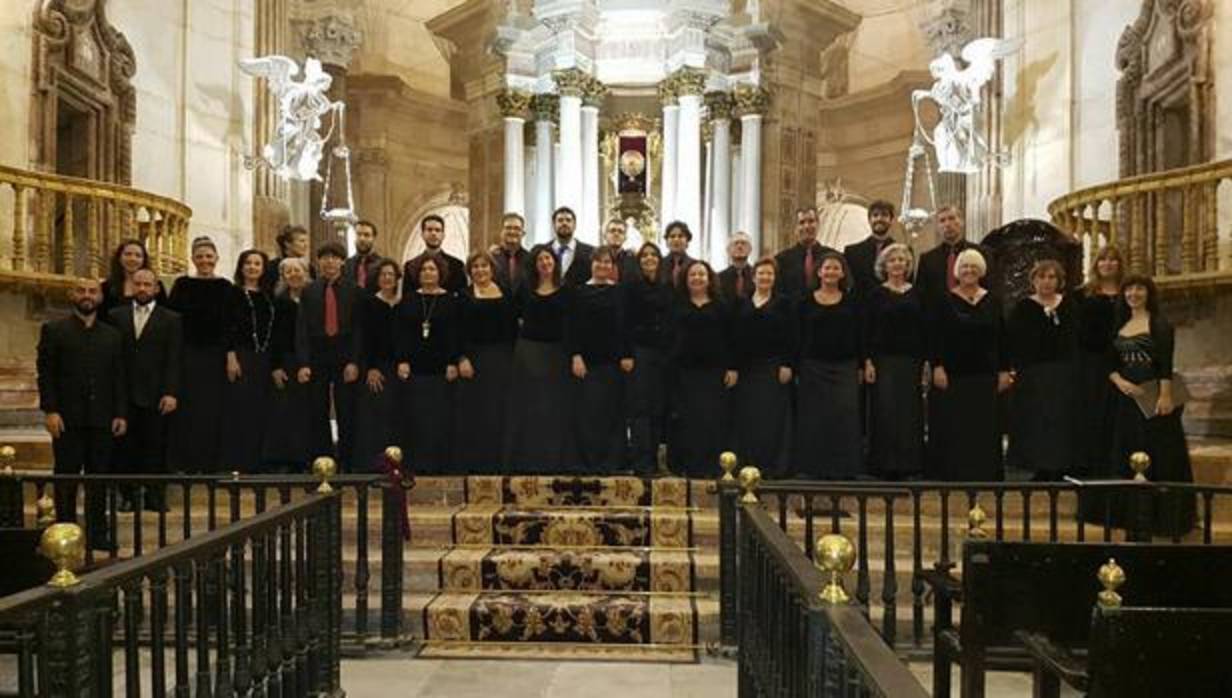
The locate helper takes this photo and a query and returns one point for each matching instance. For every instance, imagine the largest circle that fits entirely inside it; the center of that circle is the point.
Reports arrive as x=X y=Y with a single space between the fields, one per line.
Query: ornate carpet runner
x=554 y=567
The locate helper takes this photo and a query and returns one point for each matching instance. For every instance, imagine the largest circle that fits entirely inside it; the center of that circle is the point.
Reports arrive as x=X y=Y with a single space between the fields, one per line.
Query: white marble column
x=590 y=223
x=514 y=106
x=545 y=110
x=569 y=85
x=737 y=190
x=751 y=104
x=671 y=121
x=689 y=157
x=719 y=106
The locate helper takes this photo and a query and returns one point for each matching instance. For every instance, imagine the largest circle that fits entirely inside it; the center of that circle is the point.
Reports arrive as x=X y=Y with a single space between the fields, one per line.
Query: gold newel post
x=1139 y=462
x=324 y=468
x=728 y=462
x=975 y=522
x=750 y=478
x=65 y=545
x=835 y=555
x=1111 y=576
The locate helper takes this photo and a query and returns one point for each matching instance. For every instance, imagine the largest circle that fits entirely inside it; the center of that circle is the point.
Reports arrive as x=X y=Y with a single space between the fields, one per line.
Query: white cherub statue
x=295 y=149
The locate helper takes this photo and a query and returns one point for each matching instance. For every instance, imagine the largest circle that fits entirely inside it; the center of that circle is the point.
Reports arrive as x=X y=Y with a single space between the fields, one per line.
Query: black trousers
x=325 y=389
x=84 y=450
x=143 y=450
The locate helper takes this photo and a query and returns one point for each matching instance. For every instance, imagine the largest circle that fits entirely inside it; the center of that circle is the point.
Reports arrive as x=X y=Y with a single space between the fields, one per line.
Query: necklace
x=257 y=344
x=428 y=309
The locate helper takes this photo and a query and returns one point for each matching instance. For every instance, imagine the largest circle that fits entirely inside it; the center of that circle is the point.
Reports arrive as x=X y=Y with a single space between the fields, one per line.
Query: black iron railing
x=250 y=608
x=939 y=512
x=794 y=643
x=192 y=505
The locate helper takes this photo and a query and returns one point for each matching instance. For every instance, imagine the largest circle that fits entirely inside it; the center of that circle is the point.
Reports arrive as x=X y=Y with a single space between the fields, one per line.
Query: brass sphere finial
x=45 y=510
x=750 y=478
x=1139 y=462
x=1112 y=577
x=65 y=545
x=975 y=522
x=728 y=462
x=394 y=454
x=324 y=468
x=235 y=475
x=835 y=556
x=8 y=456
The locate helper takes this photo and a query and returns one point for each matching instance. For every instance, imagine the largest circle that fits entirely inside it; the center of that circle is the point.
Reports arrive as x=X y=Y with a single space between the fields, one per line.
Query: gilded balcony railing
x=63 y=227
x=1166 y=223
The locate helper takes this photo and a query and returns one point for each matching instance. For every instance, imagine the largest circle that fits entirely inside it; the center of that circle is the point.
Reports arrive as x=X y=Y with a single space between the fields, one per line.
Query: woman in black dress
x=1097 y=311
x=599 y=349
x=896 y=347
x=285 y=447
x=767 y=331
x=704 y=368
x=1043 y=350
x=831 y=361
x=970 y=367
x=428 y=349
x=481 y=398
x=250 y=333
x=196 y=430
x=650 y=307
x=130 y=255
x=537 y=440
x=379 y=398
x=1143 y=349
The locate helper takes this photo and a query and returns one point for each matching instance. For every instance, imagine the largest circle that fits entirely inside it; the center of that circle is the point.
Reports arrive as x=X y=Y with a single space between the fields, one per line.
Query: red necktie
x=513 y=268
x=331 y=311
x=361 y=271
x=676 y=271
x=951 y=277
x=808 y=267
x=739 y=283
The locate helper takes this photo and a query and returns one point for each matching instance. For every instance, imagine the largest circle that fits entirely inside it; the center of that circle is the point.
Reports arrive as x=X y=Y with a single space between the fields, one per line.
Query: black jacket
x=579 y=268
x=152 y=363
x=81 y=373
x=862 y=259
x=310 y=321
x=455 y=274
x=727 y=284
x=350 y=270
x=667 y=269
x=521 y=268
x=931 y=273
x=790 y=278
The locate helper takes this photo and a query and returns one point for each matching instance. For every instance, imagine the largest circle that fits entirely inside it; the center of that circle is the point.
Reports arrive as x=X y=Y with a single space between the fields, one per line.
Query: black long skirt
x=481 y=407
x=896 y=438
x=762 y=419
x=538 y=440
x=699 y=410
x=646 y=404
x=1096 y=416
x=1044 y=419
x=247 y=404
x=598 y=421
x=427 y=425
x=285 y=447
x=964 y=439
x=828 y=420
x=375 y=412
x=1163 y=439
x=196 y=437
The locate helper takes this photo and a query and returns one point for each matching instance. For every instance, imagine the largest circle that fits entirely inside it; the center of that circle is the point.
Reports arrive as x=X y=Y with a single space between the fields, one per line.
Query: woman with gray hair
x=970 y=367
x=285 y=448
x=896 y=347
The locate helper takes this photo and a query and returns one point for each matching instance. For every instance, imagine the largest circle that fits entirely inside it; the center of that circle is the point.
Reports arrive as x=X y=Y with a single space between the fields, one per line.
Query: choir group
x=567 y=358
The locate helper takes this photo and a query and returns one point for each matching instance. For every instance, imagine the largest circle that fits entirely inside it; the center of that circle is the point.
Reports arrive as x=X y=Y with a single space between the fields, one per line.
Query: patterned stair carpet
x=564 y=567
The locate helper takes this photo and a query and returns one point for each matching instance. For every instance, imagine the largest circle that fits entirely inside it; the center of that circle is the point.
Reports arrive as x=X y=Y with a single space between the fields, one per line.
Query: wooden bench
x=1137 y=652
x=1011 y=588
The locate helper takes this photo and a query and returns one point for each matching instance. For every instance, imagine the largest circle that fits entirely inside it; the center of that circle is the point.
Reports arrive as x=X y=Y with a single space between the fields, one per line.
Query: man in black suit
x=736 y=281
x=862 y=256
x=798 y=264
x=360 y=268
x=83 y=395
x=153 y=341
x=572 y=254
x=935 y=275
x=433 y=231
x=510 y=259
x=676 y=263
x=324 y=345
x=627 y=267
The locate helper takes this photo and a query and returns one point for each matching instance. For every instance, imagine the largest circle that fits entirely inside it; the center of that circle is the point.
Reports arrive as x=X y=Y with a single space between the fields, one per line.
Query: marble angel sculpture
x=958 y=143
x=296 y=146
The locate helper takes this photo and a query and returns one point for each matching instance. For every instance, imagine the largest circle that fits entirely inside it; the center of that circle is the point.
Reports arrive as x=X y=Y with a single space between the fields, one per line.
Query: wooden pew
x=1049 y=589
x=1137 y=652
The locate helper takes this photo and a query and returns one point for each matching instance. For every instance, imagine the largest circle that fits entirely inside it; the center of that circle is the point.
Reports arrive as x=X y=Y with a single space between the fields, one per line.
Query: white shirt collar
x=148 y=306
x=568 y=245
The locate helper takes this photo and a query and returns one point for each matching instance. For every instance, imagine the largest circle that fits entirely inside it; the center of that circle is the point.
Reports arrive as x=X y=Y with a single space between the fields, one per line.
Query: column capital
x=690 y=81
x=513 y=104
x=707 y=131
x=546 y=107
x=331 y=38
x=593 y=92
x=667 y=91
x=571 y=82
x=751 y=100
x=720 y=105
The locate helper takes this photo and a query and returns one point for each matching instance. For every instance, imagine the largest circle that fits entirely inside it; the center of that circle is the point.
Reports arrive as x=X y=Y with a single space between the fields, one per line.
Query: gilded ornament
x=546 y=107
x=324 y=468
x=65 y=545
x=728 y=463
x=8 y=456
x=570 y=82
x=1111 y=576
x=593 y=92
x=750 y=478
x=751 y=99
x=835 y=556
x=720 y=105
x=667 y=91
x=1139 y=462
x=513 y=103
x=45 y=510
x=975 y=522
x=689 y=81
